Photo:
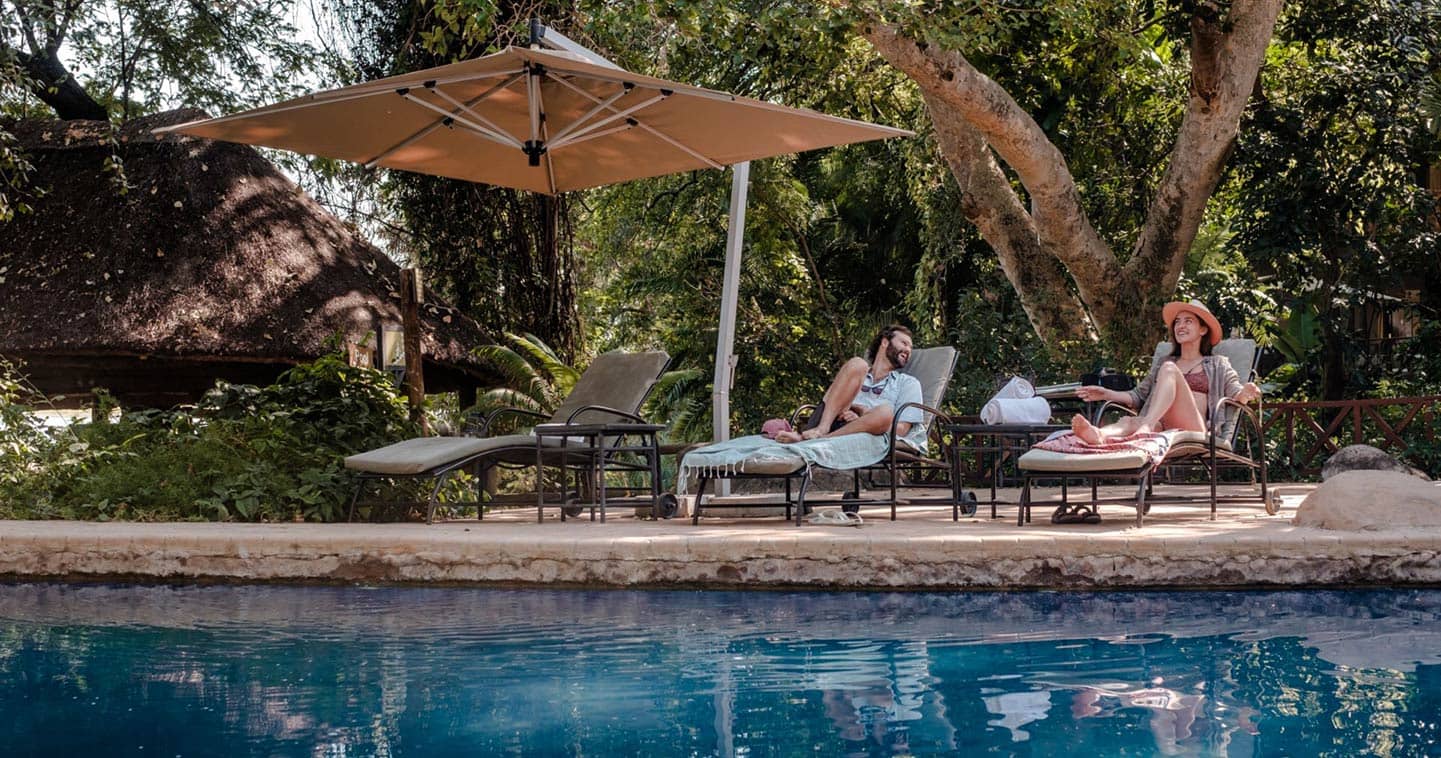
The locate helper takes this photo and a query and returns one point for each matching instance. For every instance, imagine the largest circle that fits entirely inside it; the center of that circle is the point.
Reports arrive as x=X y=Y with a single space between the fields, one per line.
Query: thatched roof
x=212 y=256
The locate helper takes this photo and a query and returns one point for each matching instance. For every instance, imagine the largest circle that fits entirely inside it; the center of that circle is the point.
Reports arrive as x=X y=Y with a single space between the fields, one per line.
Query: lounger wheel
x=969 y=503
x=668 y=506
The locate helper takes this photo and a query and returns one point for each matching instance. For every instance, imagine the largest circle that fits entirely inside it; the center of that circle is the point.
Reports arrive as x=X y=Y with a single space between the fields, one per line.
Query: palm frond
x=518 y=373
x=505 y=397
x=562 y=375
x=682 y=399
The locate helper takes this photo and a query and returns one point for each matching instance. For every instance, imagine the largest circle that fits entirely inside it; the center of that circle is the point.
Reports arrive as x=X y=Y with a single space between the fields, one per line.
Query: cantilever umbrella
x=549 y=122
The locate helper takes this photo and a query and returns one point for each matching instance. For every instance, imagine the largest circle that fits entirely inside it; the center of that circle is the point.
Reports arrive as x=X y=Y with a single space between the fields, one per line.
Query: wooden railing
x=1301 y=436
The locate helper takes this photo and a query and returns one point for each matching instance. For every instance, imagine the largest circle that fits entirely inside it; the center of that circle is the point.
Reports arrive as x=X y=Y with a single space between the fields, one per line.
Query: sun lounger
x=602 y=409
x=1217 y=448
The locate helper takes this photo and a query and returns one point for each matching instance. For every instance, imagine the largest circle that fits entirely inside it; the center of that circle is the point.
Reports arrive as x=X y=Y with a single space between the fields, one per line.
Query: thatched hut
x=210 y=265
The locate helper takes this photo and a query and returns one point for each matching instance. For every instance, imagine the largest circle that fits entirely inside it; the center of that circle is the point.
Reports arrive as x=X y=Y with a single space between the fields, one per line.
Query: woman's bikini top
x=1196 y=380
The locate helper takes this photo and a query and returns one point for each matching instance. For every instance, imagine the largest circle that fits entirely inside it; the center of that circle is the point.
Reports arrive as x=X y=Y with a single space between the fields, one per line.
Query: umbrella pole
x=725 y=360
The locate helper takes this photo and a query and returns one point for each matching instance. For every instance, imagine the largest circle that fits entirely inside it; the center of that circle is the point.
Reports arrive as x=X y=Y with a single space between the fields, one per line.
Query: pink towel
x=1154 y=446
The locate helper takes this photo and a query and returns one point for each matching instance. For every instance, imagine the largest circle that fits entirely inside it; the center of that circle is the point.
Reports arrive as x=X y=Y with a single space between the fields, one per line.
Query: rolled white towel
x=1017 y=387
x=1011 y=410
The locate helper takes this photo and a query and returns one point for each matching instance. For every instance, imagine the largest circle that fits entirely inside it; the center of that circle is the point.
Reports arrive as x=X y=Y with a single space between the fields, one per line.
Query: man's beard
x=894 y=356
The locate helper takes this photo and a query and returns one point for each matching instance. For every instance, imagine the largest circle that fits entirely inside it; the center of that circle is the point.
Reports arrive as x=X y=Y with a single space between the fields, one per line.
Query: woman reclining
x=1179 y=390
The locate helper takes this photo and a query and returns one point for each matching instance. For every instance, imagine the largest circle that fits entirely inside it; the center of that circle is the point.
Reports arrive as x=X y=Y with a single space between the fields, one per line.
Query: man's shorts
x=815 y=418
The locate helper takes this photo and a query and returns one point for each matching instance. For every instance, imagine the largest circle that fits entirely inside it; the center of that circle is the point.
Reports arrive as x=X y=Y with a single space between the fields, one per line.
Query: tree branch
x=1226 y=56
x=989 y=202
x=1059 y=221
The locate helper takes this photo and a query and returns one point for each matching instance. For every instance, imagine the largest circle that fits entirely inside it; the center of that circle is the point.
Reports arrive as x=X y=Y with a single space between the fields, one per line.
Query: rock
x=1369 y=500
x=1364 y=458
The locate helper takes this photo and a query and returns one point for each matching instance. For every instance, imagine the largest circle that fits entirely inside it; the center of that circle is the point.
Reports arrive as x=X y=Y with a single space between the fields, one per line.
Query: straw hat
x=1174 y=309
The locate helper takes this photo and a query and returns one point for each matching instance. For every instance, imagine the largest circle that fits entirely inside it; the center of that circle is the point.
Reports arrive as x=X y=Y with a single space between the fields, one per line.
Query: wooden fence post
x=412 y=295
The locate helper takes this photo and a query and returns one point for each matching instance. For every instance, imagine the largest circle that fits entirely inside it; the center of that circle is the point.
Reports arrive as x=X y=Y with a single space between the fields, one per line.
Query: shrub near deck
x=244 y=453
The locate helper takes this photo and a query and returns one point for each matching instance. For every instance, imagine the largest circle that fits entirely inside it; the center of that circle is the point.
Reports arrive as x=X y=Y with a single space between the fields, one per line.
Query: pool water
x=305 y=671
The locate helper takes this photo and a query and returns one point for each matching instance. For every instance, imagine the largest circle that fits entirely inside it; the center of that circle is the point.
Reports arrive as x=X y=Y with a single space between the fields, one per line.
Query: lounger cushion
x=416 y=456
x=1048 y=460
x=419 y=455
x=773 y=464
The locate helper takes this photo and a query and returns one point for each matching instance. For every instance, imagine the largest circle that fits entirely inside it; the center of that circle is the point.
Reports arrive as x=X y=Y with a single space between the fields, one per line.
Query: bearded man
x=866 y=392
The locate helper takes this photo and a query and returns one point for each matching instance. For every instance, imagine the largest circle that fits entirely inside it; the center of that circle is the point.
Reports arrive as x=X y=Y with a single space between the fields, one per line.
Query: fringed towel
x=845 y=452
x=1152 y=446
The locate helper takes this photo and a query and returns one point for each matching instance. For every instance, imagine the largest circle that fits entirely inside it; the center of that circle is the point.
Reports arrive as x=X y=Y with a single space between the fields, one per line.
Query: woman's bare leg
x=1171 y=406
x=1172 y=402
x=1083 y=428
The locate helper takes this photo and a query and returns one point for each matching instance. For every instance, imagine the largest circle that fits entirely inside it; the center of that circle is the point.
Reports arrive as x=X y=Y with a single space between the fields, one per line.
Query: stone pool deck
x=1178 y=547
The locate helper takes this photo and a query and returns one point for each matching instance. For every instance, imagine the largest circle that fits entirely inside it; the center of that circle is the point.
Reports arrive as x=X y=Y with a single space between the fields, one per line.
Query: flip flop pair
x=835 y=517
x=1078 y=517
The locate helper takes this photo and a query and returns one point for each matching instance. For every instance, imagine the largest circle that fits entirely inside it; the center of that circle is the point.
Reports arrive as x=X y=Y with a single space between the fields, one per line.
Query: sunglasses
x=877 y=388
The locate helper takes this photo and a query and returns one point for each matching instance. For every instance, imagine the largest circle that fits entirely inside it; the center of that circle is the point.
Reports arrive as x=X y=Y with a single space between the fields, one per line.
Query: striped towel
x=843 y=453
x=1152 y=445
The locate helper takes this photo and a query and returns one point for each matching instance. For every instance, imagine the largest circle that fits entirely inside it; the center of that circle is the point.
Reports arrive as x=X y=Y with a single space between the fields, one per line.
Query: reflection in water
x=403 y=672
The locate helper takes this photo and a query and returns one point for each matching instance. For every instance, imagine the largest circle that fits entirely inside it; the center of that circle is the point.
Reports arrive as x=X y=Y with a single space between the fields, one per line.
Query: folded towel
x=1010 y=410
x=1016 y=388
x=1153 y=446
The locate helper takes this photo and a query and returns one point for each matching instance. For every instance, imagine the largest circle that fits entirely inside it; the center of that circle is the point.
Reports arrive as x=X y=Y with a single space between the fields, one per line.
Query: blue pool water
x=285 y=671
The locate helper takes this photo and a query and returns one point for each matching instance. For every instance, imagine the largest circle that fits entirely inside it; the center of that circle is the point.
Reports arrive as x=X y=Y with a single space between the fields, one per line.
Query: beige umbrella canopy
x=545 y=121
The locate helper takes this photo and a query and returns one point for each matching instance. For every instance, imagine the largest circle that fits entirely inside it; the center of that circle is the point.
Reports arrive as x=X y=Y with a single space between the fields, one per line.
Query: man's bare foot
x=1086 y=430
x=788 y=437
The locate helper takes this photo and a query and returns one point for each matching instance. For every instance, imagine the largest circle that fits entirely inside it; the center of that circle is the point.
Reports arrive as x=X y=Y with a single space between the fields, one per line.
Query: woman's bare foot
x=788 y=437
x=1085 y=430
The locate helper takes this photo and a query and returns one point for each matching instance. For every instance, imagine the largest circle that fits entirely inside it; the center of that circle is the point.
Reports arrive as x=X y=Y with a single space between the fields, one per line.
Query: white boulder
x=1366 y=500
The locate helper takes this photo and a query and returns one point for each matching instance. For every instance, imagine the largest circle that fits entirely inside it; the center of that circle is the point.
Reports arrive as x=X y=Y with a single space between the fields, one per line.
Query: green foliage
x=1330 y=201
x=243 y=453
x=136 y=56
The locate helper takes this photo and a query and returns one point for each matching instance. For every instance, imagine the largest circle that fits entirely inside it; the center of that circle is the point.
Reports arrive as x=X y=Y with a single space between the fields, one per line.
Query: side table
x=1001 y=442
x=589 y=449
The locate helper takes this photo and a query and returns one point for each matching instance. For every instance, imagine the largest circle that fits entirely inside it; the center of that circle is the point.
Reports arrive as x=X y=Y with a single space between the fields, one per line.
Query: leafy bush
x=242 y=453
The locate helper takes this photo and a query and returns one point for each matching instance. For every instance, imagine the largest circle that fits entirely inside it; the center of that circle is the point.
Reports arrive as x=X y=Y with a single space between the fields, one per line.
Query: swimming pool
x=307 y=671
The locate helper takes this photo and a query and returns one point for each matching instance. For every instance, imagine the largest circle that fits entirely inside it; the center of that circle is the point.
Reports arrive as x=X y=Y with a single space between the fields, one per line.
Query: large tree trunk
x=974 y=116
x=988 y=201
x=57 y=88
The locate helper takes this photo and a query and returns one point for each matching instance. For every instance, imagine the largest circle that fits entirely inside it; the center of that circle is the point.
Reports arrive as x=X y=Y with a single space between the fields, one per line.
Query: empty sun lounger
x=602 y=409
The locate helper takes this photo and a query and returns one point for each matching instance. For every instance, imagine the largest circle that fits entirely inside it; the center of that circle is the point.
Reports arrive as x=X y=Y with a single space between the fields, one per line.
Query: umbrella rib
x=561 y=135
x=423 y=132
x=593 y=134
x=667 y=138
x=501 y=137
x=677 y=145
x=466 y=107
x=407 y=142
x=608 y=119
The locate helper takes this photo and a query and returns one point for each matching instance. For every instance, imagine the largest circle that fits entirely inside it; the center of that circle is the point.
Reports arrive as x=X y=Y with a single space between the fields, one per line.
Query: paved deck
x=1178 y=547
